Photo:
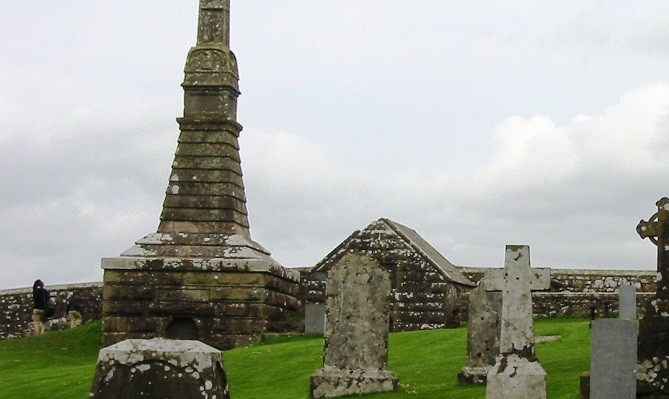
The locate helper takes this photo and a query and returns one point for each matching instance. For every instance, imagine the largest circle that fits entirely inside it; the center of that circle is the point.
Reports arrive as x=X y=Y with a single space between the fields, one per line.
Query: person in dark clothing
x=40 y=301
x=74 y=311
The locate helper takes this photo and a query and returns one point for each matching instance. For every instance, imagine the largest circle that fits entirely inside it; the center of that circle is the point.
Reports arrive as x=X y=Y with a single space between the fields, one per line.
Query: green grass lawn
x=62 y=364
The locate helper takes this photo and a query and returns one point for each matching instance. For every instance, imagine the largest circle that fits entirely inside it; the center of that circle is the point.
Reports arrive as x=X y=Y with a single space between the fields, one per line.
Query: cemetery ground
x=62 y=364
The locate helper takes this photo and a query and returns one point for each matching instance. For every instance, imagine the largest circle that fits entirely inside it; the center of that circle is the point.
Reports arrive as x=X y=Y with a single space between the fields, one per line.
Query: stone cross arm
x=653 y=228
x=517 y=272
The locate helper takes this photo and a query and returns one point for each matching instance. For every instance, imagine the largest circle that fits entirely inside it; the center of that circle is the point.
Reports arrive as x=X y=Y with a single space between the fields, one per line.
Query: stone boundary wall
x=576 y=292
x=572 y=293
x=16 y=307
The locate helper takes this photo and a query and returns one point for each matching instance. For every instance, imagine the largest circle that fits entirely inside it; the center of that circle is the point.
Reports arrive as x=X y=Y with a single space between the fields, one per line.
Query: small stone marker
x=160 y=368
x=483 y=330
x=627 y=302
x=356 y=333
x=517 y=373
x=314 y=318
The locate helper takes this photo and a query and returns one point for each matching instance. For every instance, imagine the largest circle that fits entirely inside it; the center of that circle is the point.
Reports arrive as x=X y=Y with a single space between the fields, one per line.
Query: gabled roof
x=412 y=239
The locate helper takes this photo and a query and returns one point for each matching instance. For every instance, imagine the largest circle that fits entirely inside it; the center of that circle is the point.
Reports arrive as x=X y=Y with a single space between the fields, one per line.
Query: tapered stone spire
x=204 y=213
x=206 y=191
x=200 y=275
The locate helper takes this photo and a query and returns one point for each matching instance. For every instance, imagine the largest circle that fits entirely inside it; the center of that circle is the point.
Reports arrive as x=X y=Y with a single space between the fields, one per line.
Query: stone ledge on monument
x=260 y=265
x=230 y=244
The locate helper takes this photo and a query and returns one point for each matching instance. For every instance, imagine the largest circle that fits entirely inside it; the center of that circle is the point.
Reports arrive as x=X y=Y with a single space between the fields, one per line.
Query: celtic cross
x=656 y=229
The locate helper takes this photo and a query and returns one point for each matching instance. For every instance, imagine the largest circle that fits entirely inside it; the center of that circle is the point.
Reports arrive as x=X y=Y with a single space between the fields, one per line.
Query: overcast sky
x=476 y=123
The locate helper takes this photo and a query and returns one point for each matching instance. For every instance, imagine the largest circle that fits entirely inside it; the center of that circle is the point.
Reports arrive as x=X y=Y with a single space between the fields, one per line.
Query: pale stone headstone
x=483 y=330
x=160 y=368
x=627 y=302
x=613 y=359
x=356 y=334
x=517 y=373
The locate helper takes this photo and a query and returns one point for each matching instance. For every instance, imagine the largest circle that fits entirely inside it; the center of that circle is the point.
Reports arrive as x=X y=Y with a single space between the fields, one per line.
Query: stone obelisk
x=201 y=276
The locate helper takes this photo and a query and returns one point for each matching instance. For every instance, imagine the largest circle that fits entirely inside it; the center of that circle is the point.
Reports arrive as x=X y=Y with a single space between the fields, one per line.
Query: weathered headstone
x=627 y=302
x=483 y=330
x=517 y=373
x=653 y=344
x=356 y=335
x=160 y=368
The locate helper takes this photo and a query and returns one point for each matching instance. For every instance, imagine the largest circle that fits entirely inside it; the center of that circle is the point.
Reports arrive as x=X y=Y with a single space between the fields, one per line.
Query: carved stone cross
x=657 y=230
x=214 y=23
x=517 y=281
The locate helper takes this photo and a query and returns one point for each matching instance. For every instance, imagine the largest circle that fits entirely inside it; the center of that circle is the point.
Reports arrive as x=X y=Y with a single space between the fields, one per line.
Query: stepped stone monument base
x=514 y=377
x=226 y=302
x=160 y=368
x=330 y=382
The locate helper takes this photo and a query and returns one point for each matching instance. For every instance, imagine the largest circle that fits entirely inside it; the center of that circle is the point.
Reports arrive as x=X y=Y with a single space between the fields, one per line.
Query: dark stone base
x=653 y=351
x=473 y=375
x=585 y=385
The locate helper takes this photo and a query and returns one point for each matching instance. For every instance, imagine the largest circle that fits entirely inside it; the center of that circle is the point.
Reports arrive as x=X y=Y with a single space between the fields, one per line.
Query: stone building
x=201 y=276
x=426 y=287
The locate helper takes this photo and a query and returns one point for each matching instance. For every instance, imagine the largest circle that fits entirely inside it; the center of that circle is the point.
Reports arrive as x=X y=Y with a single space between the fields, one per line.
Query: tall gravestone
x=653 y=344
x=517 y=373
x=160 y=368
x=201 y=276
x=614 y=352
x=356 y=335
x=483 y=331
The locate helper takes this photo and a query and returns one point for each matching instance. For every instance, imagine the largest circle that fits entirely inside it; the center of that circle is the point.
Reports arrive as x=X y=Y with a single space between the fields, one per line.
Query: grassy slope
x=52 y=366
x=61 y=364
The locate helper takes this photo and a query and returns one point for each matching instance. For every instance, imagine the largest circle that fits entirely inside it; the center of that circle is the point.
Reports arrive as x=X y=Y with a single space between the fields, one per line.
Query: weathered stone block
x=239 y=326
x=132 y=324
x=160 y=368
x=225 y=279
x=251 y=294
x=112 y=307
x=183 y=295
x=128 y=292
x=123 y=277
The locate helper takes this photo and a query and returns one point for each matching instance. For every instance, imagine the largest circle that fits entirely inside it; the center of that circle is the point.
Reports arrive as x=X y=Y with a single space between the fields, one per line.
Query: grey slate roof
x=417 y=242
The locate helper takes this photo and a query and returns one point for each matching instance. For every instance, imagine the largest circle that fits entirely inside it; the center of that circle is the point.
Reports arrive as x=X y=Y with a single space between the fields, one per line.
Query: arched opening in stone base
x=182 y=328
